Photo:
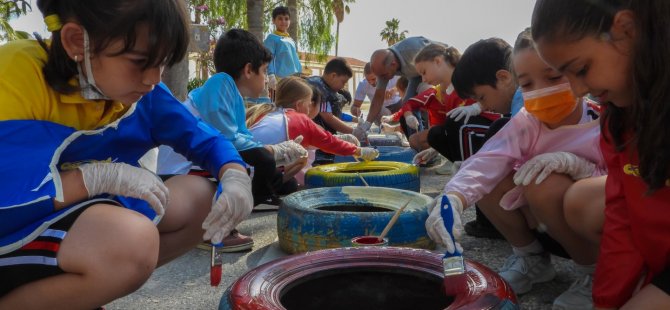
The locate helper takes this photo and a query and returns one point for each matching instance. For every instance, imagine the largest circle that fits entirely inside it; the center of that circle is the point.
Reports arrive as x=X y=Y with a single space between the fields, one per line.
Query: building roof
x=314 y=58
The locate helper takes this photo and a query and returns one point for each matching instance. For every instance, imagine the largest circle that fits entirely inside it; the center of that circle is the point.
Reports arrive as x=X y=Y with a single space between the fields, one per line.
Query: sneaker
x=521 y=272
x=477 y=229
x=270 y=204
x=445 y=169
x=577 y=297
x=235 y=242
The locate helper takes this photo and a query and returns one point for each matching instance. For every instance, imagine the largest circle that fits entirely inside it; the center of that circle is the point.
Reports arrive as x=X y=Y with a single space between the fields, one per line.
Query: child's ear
x=505 y=77
x=247 y=70
x=623 y=25
x=72 y=38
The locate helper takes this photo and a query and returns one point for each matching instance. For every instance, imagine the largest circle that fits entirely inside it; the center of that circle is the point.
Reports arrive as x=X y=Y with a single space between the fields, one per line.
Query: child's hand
x=355 y=110
x=465 y=111
x=424 y=156
x=368 y=153
x=412 y=122
x=361 y=130
x=231 y=205
x=289 y=151
x=125 y=180
x=349 y=138
x=387 y=118
x=541 y=166
x=435 y=223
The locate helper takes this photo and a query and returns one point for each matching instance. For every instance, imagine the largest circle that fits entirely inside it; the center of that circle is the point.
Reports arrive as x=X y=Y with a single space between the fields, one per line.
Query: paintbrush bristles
x=392 y=221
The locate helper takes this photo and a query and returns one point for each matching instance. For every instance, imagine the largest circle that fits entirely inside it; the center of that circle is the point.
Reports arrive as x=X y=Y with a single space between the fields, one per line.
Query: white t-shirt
x=365 y=89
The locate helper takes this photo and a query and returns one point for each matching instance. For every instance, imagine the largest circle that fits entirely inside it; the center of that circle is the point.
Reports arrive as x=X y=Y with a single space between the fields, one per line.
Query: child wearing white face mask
x=519 y=177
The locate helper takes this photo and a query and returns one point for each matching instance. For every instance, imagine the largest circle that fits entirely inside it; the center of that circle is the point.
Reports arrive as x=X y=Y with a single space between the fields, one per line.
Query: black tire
x=330 y=217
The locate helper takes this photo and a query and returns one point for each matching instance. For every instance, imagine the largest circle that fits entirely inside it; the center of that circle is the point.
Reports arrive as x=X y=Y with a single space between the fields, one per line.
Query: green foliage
x=390 y=34
x=194 y=83
x=11 y=9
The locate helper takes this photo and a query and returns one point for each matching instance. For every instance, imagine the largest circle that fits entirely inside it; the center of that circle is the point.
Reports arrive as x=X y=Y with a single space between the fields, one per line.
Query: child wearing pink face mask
x=519 y=177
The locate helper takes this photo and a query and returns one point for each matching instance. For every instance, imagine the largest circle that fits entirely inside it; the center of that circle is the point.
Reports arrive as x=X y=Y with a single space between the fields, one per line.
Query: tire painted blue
x=386 y=153
x=302 y=226
x=376 y=173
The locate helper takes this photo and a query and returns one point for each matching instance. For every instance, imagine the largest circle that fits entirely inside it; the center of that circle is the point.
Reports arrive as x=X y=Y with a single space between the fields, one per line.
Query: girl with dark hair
x=617 y=50
x=77 y=113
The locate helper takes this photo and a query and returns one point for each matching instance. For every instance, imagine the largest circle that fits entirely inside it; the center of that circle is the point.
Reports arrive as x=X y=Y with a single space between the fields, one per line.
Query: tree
x=8 y=10
x=340 y=7
x=390 y=34
x=255 y=17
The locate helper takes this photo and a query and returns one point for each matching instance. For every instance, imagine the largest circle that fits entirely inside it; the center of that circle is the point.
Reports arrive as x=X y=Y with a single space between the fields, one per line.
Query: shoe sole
x=550 y=276
x=263 y=207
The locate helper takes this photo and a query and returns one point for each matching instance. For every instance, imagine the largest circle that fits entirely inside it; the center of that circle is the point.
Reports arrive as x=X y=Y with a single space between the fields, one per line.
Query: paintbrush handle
x=392 y=221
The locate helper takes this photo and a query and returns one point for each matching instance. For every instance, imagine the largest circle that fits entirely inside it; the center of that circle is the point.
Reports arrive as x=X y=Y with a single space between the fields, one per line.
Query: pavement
x=184 y=282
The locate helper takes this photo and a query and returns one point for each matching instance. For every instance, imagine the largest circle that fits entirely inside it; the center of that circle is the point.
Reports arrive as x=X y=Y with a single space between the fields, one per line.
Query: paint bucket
x=369 y=241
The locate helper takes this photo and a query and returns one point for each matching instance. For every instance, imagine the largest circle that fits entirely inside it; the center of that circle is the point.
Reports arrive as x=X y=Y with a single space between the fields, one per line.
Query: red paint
x=261 y=287
x=215 y=275
x=367 y=240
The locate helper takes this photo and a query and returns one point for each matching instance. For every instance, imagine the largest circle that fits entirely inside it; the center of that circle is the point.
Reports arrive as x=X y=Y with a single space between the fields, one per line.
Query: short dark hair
x=235 y=49
x=367 y=69
x=524 y=40
x=479 y=64
x=338 y=66
x=280 y=10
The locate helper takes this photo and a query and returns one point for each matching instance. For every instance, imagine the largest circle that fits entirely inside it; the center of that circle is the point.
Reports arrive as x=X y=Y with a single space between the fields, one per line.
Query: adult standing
x=387 y=63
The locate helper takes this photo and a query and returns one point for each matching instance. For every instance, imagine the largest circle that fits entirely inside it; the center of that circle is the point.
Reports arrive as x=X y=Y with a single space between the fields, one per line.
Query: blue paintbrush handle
x=448 y=219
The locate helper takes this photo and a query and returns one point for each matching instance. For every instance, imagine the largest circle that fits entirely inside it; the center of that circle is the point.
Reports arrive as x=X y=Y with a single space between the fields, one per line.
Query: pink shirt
x=521 y=139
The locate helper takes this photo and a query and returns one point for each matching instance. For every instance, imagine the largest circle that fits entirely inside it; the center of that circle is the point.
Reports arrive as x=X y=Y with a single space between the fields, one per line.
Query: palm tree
x=390 y=33
x=340 y=7
x=255 y=17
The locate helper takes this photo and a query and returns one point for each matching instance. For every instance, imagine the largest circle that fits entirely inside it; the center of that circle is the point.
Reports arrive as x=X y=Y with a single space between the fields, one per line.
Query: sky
x=456 y=22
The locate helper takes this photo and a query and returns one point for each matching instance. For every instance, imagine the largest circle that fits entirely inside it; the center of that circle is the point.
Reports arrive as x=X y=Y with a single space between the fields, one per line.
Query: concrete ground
x=184 y=283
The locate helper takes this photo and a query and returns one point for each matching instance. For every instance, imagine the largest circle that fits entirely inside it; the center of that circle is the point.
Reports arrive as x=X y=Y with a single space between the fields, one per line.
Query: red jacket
x=315 y=135
x=636 y=233
x=436 y=101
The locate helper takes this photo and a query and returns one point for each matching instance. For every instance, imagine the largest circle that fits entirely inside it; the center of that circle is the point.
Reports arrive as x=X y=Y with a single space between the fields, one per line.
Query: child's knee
x=550 y=191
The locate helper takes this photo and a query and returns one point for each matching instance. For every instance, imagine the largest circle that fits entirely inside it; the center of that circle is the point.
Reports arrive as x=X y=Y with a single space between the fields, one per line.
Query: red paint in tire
x=368 y=241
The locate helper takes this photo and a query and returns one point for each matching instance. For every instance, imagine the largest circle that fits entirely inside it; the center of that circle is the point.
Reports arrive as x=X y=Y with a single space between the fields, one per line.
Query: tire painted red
x=264 y=286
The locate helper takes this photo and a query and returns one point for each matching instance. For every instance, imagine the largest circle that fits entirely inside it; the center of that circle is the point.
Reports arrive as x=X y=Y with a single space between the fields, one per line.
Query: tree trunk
x=337 y=38
x=295 y=24
x=176 y=77
x=255 y=17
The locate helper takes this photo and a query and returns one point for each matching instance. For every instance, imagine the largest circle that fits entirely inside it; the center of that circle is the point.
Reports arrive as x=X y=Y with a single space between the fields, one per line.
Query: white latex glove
x=424 y=156
x=540 y=166
x=465 y=111
x=349 y=138
x=355 y=110
x=361 y=130
x=387 y=119
x=288 y=152
x=272 y=81
x=412 y=122
x=231 y=205
x=435 y=224
x=125 y=180
x=368 y=153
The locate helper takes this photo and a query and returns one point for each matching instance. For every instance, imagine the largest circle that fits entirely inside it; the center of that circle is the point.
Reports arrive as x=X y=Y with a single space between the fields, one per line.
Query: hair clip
x=53 y=23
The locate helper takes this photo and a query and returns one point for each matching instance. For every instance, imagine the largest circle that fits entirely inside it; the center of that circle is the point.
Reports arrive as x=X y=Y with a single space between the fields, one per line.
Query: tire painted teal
x=375 y=173
x=386 y=153
x=302 y=226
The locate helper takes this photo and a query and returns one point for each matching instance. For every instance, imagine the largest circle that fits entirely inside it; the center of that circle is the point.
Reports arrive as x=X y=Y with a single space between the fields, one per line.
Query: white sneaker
x=577 y=297
x=521 y=272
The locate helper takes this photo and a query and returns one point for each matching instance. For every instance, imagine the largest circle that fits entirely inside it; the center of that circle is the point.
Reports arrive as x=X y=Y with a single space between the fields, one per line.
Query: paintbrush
x=392 y=221
x=455 y=280
x=215 y=270
x=362 y=179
